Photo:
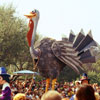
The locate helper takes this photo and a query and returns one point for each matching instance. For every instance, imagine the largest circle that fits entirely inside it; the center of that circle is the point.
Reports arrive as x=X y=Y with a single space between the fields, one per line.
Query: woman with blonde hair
x=20 y=96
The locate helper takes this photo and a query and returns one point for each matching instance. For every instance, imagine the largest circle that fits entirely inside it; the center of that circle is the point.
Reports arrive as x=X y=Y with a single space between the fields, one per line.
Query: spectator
x=20 y=96
x=84 y=79
x=77 y=85
x=51 y=95
x=85 y=92
x=65 y=99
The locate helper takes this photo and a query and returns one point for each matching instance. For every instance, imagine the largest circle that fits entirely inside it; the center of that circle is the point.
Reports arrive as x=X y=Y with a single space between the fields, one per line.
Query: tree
x=94 y=73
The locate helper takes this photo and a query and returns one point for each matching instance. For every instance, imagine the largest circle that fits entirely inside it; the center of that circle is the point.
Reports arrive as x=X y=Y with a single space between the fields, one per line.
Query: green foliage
x=93 y=76
x=94 y=73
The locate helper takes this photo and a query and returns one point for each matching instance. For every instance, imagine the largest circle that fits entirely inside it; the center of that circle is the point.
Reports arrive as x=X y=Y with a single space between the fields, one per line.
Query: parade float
x=51 y=56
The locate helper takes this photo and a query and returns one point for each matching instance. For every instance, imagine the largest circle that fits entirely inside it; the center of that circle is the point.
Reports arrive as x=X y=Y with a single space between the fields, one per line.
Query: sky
x=58 y=17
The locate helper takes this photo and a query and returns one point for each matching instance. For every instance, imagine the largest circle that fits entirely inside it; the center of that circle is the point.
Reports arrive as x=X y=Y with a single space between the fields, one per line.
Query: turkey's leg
x=53 y=83
x=47 y=84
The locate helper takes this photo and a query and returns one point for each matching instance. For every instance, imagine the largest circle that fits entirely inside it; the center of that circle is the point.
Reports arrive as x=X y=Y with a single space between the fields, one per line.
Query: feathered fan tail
x=71 y=36
x=76 y=50
x=87 y=47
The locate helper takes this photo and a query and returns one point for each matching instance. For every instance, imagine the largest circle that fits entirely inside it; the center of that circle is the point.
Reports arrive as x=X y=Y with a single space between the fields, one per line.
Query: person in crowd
x=65 y=98
x=19 y=96
x=4 y=81
x=51 y=95
x=77 y=85
x=84 y=79
x=85 y=92
x=95 y=86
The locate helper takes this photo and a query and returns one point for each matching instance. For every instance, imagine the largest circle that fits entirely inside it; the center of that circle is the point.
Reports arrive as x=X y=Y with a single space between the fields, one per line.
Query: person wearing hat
x=4 y=81
x=84 y=79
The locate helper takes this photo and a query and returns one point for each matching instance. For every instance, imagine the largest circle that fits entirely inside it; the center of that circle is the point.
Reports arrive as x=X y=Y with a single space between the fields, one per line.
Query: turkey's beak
x=31 y=15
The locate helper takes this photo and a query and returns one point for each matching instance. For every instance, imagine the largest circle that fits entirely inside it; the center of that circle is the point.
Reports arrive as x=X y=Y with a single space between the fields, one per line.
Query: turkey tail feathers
x=86 y=46
x=76 y=51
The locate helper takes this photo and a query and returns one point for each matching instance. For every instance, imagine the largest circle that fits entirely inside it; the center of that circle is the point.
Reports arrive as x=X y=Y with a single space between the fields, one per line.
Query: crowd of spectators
x=38 y=88
x=34 y=90
x=66 y=89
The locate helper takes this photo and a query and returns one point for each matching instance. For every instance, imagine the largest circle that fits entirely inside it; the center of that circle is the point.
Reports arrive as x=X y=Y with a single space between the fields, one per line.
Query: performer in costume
x=84 y=80
x=4 y=81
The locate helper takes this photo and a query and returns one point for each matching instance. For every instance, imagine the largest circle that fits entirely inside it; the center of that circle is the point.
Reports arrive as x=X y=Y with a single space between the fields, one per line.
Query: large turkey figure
x=55 y=55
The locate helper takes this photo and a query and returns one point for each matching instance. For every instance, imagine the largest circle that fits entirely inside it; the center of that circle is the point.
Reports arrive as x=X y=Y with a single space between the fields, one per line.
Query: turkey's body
x=49 y=66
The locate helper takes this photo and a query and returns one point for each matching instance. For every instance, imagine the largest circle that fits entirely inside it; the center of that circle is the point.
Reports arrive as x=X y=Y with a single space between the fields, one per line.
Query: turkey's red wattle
x=29 y=34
